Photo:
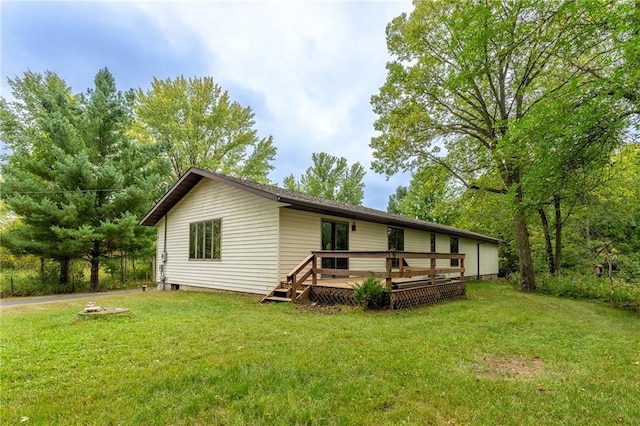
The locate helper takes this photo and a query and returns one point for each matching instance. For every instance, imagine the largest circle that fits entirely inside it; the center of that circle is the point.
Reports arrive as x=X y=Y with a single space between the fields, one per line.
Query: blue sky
x=306 y=68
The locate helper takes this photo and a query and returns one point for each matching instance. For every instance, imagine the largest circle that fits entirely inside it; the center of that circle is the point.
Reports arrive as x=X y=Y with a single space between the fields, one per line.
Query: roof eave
x=350 y=214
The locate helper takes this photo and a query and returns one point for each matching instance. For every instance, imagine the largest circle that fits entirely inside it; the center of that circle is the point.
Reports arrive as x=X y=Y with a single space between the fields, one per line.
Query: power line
x=63 y=191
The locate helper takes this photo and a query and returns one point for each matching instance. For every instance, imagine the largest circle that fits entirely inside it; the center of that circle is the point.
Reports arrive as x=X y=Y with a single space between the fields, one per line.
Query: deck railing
x=295 y=278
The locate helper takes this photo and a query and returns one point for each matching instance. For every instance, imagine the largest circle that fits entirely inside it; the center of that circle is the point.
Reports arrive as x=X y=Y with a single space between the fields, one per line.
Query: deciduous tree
x=199 y=125
x=431 y=196
x=331 y=177
x=485 y=89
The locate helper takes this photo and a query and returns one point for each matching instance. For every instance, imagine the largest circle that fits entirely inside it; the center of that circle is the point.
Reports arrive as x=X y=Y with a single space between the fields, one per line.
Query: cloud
x=307 y=69
x=314 y=65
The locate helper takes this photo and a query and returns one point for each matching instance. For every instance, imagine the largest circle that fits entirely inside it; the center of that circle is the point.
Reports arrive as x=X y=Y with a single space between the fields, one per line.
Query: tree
x=610 y=226
x=493 y=91
x=78 y=182
x=200 y=126
x=431 y=196
x=394 y=205
x=331 y=177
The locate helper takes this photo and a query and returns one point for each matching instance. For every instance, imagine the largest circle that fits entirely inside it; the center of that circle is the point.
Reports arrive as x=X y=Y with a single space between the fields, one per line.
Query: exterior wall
x=249 y=240
x=488 y=260
x=300 y=234
x=415 y=240
x=159 y=266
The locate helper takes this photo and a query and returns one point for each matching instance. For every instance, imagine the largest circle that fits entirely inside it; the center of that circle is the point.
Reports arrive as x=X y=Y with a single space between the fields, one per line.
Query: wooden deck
x=407 y=286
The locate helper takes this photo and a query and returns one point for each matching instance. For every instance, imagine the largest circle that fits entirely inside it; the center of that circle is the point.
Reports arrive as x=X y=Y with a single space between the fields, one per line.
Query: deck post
x=462 y=268
x=388 y=278
x=432 y=273
x=401 y=266
x=294 y=288
x=314 y=268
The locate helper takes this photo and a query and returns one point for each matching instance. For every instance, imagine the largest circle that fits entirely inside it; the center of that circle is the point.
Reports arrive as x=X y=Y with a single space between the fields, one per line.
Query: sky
x=307 y=69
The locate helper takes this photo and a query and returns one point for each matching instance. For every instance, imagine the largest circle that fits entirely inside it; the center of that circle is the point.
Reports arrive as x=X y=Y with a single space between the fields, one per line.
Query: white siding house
x=218 y=232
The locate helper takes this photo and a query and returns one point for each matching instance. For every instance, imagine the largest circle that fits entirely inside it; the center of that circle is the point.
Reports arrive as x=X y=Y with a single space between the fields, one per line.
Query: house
x=220 y=232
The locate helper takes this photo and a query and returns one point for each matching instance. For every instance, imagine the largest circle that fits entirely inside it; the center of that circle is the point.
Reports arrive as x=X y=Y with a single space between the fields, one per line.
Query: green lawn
x=499 y=357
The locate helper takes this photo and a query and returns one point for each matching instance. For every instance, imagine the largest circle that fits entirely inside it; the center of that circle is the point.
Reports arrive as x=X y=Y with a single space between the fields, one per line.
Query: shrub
x=371 y=294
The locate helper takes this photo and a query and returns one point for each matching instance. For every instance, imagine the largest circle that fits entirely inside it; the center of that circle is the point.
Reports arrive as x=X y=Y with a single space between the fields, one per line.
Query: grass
x=499 y=357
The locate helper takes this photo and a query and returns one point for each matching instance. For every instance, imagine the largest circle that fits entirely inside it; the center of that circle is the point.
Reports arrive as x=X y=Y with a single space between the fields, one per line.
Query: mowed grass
x=498 y=357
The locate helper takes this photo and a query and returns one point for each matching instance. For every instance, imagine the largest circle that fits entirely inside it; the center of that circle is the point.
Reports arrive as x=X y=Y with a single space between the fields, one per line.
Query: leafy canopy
x=504 y=96
x=199 y=125
x=330 y=177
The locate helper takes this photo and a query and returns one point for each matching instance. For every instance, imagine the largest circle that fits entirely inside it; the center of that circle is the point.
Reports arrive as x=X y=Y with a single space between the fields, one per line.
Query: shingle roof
x=299 y=201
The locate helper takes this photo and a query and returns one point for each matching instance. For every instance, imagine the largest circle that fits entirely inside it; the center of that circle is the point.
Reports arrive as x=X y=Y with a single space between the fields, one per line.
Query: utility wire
x=63 y=191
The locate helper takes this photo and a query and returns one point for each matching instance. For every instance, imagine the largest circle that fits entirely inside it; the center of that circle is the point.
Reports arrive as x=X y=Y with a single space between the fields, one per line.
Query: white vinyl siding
x=369 y=237
x=488 y=260
x=249 y=243
x=415 y=240
x=159 y=248
x=300 y=235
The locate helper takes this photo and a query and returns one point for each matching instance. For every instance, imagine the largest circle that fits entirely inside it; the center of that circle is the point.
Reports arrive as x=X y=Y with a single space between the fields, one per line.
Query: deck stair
x=282 y=293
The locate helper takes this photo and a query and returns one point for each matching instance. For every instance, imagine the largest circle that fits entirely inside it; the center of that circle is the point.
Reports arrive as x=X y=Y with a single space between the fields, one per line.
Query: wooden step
x=282 y=292
x=277 y=299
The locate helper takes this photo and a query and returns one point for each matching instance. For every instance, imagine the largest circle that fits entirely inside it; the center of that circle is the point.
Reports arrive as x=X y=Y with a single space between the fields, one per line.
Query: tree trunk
x=527 y=278
x=64 y=271
x=95 y=266
x=123 y=269
x=558 y=257
x=547 y=240
x=41 y=270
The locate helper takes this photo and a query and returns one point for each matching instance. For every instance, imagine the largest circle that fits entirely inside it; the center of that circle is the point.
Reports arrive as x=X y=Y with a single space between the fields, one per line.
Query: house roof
x=299 y=201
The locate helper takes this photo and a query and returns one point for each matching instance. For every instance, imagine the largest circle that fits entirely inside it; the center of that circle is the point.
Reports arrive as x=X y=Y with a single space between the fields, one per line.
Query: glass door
x=335 y=236
x=395 y=237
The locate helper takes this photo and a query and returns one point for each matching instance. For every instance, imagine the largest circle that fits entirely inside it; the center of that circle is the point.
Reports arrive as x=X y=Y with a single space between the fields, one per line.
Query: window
x=454 y=249
x=204 y=239
x=395 y=237
x=433 y=243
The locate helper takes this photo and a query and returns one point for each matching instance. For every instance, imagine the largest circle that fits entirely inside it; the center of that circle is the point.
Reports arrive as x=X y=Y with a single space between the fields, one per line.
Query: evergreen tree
x=76 y=178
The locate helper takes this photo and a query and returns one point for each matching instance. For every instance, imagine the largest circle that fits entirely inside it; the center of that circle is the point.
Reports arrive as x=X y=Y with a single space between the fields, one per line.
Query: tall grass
x=577 y=286
x=30 y=281
x=499 y=357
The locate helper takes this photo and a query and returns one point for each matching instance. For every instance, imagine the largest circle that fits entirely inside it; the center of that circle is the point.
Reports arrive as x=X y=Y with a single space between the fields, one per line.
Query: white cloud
x=314 y=65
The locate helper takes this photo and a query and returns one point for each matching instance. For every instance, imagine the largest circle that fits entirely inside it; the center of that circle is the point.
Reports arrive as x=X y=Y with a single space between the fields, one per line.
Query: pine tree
x=74 y=175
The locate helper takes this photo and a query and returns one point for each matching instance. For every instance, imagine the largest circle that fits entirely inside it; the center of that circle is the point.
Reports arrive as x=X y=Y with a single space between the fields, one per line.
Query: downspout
x=478 y=258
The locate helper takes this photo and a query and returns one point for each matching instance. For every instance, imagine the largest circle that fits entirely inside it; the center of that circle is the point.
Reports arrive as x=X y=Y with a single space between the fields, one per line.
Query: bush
x=620 y=295
x=371 y=294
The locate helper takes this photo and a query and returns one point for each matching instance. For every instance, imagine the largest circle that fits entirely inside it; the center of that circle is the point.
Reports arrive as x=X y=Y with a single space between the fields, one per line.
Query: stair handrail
x=292 y=276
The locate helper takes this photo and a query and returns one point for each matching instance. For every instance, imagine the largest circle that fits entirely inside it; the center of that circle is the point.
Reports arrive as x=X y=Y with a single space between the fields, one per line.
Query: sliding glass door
x=335 y=236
